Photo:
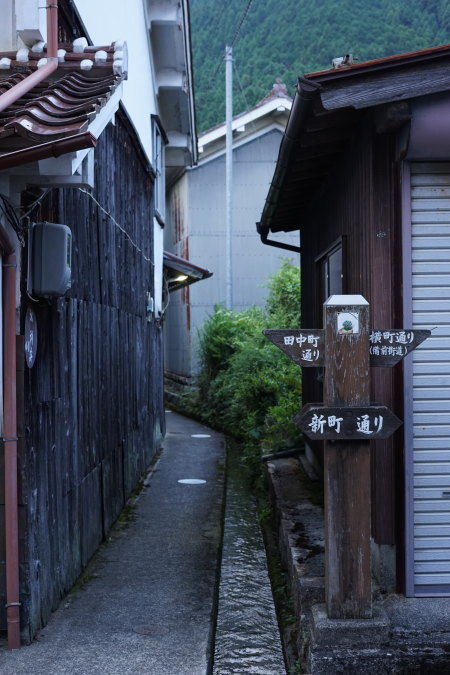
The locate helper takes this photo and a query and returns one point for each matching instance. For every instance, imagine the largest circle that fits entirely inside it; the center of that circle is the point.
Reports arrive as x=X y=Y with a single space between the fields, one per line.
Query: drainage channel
x=247 y=636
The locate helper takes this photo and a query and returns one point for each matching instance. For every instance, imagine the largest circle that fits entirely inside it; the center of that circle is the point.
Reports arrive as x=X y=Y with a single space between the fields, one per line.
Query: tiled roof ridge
x=67 y=101
x=276 y=92
x=73 y=55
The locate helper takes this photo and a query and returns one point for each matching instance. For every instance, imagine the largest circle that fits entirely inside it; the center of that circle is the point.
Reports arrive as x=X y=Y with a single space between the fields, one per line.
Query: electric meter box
x=51 y=253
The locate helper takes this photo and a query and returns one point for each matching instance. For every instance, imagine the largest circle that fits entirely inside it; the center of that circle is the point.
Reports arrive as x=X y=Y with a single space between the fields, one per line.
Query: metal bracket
x=13 y=604
x=9 y=440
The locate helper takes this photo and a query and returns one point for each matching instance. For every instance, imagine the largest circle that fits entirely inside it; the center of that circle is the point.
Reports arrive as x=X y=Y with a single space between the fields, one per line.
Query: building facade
x=196 y=225
x=88 y=142
x=364 y=174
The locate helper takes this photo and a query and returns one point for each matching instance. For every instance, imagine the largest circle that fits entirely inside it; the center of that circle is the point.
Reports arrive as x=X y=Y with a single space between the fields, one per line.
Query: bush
x=249 y=388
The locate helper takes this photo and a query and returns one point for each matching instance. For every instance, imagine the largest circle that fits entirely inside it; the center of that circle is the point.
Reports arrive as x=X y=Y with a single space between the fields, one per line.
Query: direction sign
x=305 y=347
x=347 y=423
x=386 y=346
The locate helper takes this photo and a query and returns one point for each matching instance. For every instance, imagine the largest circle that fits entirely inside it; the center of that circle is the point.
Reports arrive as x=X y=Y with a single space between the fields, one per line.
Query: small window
x=330 y=271
x=159 y=141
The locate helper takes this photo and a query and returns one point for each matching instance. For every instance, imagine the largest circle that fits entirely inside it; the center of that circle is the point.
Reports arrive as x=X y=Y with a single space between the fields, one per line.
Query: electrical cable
x=36 y=202
x=127 y=235
x=232 y=43
x=239 y=26
x=247 y=107
x=11 y=217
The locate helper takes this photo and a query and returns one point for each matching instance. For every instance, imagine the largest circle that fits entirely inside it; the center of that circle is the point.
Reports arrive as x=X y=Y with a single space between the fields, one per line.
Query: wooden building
x=76 y=149
x=364 y=174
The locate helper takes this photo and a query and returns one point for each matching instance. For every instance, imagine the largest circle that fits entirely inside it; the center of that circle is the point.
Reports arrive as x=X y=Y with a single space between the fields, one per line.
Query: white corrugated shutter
x=430 y=201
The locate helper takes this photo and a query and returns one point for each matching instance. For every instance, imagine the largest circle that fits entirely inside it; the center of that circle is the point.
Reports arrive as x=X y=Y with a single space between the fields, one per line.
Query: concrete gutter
x=405 y=634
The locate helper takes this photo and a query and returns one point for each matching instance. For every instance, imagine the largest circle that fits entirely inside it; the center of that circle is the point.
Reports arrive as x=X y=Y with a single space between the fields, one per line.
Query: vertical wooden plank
x=347 y=466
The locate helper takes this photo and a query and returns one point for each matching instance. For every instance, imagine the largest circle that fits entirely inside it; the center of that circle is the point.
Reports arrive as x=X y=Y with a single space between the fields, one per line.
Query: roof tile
x=64 y=104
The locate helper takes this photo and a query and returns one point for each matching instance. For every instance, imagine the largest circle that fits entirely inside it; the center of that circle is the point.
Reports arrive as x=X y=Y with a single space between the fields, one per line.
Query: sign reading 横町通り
x=386 y=347
x=389 y=346
x=339 y=424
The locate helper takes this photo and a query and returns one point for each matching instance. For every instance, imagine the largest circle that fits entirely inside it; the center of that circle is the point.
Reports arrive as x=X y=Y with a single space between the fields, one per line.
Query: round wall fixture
x=192 y=481
x=200 y=435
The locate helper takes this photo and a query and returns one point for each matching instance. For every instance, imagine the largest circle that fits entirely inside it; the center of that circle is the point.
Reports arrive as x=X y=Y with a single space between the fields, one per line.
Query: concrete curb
x=405 y=634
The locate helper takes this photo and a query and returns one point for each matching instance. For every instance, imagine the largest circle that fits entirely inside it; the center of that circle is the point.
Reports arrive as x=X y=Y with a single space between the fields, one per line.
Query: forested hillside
x=287 y=38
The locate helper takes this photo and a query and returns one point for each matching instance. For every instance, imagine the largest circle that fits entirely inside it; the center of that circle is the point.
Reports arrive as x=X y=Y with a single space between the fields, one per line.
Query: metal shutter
x=430 y=205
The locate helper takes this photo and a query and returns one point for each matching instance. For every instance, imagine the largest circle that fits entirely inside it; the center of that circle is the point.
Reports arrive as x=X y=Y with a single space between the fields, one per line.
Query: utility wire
x=127 y=235
x=232 y=43
x=247 y=107
x=36 y=202
x=239 y=26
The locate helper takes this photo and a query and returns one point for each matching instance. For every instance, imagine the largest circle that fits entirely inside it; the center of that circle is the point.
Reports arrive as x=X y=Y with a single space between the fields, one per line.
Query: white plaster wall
x=21 y=17
x=109 y=20
x=7 y=25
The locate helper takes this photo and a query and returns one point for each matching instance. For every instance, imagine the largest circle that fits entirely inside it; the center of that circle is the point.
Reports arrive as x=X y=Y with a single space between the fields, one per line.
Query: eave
x=180 y=272
x=327 y=108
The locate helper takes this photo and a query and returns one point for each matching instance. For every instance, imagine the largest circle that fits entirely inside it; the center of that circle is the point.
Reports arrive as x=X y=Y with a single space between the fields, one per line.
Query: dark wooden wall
x=92 y=412
x=360 y=201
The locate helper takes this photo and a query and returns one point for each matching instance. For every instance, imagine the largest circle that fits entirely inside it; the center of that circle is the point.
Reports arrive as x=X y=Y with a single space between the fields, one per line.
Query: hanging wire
x=10 y=215
x=119 y=227
x=239 y=26
x=232 y=43
x=36 y=203
x=247 y=107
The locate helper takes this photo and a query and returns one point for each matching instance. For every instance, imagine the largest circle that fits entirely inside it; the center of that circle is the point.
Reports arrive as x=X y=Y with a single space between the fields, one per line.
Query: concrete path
x=150 y=606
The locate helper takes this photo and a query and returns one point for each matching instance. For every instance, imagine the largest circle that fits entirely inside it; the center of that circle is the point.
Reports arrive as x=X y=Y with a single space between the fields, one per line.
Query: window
x=159 y=141
x=330 y=273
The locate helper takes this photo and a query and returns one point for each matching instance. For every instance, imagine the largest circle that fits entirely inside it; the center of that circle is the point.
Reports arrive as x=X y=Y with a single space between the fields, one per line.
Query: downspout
x=9 y=265
x=307 y=90
x=21 y=88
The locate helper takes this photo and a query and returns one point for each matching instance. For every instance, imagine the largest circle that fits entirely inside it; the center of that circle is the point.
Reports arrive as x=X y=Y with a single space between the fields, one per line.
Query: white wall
x=24 y=16
x=109 y=20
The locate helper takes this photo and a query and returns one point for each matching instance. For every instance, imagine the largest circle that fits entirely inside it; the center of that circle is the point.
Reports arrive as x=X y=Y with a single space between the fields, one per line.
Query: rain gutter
x=306 y=93
x=46 y=150
x=21 y=88
x=9 y=271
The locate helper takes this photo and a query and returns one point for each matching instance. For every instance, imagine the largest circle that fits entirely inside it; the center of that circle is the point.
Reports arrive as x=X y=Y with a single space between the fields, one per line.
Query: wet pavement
x=148 y=601
x=247 y=635
x=149 y=604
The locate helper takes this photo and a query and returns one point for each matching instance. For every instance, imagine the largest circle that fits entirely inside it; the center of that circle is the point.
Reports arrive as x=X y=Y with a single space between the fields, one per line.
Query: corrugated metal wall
x=199 y=234
x=430 y=210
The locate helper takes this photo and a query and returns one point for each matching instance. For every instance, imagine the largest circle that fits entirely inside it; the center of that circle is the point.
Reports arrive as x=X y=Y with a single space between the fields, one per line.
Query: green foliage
x=248 y=387
x=287 y=39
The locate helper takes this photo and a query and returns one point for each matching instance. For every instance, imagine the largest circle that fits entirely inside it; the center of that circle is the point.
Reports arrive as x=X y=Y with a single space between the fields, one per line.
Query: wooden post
x=347 y=463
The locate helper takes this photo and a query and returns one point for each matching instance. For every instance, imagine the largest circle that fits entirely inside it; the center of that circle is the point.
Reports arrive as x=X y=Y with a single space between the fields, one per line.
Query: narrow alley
x=147 y=602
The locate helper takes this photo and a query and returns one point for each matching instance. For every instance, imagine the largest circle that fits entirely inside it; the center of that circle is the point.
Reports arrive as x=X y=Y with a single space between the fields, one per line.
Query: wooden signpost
x=346 y=421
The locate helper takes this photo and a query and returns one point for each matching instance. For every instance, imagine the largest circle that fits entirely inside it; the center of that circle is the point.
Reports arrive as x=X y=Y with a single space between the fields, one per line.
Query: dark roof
x=175 y=267
x=325 y=112
x=65 y=104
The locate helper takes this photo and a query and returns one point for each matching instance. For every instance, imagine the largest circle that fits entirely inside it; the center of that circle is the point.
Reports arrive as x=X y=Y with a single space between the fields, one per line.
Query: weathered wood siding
x=92 y=412
x=360 y=202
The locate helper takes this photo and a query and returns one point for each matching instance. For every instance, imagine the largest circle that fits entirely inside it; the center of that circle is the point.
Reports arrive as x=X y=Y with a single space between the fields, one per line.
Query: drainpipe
x=29 y=82
x=9 y=356
x=10 y=440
